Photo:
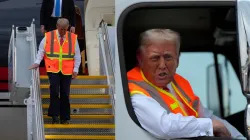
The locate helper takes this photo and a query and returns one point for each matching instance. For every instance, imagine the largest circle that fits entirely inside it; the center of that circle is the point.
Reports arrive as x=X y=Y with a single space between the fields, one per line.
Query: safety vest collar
x=176 y=104
x=141 y=87
x=185 y=99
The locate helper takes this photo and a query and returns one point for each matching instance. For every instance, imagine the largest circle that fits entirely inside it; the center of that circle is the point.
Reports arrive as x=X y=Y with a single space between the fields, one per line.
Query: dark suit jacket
x=68 y=11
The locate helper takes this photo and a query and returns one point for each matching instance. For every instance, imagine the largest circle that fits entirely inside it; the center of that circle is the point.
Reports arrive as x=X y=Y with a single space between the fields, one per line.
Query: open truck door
x=209 y=35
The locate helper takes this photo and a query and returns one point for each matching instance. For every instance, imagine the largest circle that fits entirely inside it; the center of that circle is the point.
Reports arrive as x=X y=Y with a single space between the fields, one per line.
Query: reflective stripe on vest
x=60 y=57
x=186 y=99
x=154 y=93
x=51 y=54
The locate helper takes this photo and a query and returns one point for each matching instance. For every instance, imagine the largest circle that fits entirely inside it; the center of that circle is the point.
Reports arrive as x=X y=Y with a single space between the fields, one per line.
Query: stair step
x=103 y=129
x=79 y=86
x=81 y=77
x=79 y=137
x=84 y=106
x=81 y=80
x=80 y=131
x=81 y=93
x=86 y=119
x=91 y=111
x=79 y=99
x=87 y=116
x=86 y=111
x=72 y=96
x=77 y=126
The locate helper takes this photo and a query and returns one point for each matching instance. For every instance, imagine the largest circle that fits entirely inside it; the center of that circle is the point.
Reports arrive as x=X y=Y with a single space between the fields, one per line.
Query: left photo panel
x=57 y=69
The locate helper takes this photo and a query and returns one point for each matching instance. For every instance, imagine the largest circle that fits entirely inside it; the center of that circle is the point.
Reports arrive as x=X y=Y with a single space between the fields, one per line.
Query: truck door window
x=198 y=68
x=193 y=67
x=234 y=99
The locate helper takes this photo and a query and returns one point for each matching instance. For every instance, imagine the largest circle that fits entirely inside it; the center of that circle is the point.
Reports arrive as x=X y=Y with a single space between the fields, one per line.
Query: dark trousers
x=59 y=83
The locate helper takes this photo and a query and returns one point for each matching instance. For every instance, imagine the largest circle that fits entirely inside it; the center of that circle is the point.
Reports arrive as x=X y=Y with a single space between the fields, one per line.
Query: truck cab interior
x=209 y=51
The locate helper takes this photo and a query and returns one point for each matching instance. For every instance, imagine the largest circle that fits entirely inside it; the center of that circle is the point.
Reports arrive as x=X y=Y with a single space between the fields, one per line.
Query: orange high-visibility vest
x=59 y=58
x=138 y=84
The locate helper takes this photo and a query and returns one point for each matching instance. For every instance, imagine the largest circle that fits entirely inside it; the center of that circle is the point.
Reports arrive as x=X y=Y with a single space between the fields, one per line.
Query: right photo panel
x=181 y=69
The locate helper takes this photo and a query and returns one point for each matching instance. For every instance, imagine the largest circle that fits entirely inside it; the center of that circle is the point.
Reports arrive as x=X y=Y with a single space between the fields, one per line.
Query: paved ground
x=13 y=123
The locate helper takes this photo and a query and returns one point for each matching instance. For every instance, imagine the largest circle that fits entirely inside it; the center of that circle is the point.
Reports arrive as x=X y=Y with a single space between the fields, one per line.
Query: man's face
x=159 y=63
x=62 y=29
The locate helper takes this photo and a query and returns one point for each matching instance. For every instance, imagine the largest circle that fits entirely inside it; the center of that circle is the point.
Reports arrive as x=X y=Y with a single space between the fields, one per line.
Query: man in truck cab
x=164 y=101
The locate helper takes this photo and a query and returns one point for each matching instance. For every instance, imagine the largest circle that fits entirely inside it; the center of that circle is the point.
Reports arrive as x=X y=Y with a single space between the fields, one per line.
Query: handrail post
x=107 y=60
x=37 y=117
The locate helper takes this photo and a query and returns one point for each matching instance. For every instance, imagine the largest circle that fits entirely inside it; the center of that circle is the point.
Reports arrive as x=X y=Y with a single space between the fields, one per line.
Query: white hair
x=63 y=22
x=154 y=36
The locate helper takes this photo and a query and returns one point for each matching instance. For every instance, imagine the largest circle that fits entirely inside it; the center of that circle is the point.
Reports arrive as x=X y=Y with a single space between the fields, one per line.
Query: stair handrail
x=107 y=60
x=35 y=94
x=11 y=60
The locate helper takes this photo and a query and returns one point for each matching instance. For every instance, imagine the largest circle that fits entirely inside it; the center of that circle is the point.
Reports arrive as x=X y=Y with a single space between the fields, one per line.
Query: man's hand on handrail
x=74 y=75
x=34 y=66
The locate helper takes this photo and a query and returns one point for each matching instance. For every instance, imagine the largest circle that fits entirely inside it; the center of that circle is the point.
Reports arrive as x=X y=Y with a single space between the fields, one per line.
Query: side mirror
x=243 y=26
x=243 y=18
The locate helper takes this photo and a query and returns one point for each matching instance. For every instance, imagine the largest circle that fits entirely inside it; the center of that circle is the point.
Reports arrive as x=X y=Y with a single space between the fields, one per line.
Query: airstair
x=91 y=97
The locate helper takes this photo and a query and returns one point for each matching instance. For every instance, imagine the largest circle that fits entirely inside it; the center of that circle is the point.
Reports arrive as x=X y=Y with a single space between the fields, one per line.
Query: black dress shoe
x=55 y=120
x=64 y=122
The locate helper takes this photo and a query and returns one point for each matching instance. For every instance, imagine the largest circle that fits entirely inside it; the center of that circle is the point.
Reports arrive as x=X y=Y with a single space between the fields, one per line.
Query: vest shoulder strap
x=136 y=89
x=185 y=87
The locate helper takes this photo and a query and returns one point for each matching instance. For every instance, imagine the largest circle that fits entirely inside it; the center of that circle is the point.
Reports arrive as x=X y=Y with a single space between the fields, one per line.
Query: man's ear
x=177 y=63
x=178 y=59
x=138 y=57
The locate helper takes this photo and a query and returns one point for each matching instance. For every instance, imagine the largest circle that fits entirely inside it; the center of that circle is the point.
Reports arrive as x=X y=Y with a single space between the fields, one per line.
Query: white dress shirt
x=54 y=9
x=77 y=57
x=166 y=125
